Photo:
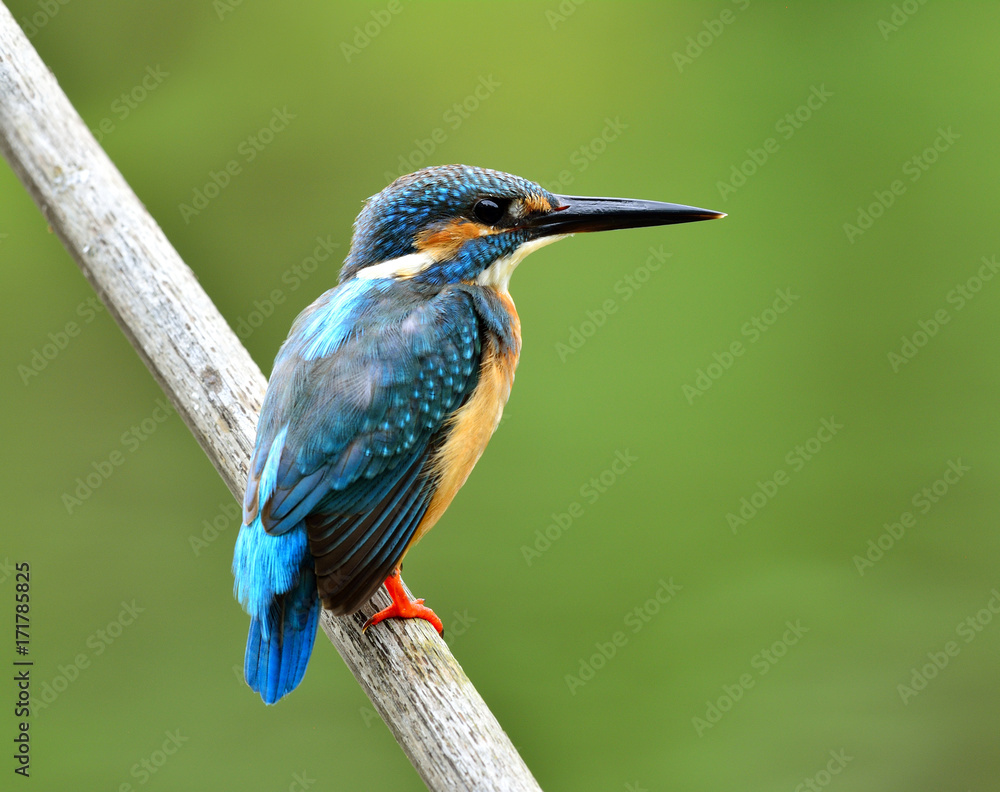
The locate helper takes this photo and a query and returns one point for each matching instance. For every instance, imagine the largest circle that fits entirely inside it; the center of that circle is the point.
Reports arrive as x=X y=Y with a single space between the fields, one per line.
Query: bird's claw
x=403 y=607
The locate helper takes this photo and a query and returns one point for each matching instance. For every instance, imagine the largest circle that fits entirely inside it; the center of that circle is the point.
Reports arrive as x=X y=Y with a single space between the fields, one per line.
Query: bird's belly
x=469 y=430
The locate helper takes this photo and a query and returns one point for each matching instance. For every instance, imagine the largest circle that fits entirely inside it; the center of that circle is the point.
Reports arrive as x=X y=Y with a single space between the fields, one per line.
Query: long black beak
x=575 y=214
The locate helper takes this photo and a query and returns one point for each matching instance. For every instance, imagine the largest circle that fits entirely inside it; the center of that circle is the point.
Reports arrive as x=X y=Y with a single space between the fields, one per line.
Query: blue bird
x=385 y=394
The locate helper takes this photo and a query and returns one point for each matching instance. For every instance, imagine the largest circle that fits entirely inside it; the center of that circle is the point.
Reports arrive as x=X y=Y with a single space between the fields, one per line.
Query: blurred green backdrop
x=816 y=581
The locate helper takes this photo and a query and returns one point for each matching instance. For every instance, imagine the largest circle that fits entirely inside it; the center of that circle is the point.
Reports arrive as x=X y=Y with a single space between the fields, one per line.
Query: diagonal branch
x=417 y=686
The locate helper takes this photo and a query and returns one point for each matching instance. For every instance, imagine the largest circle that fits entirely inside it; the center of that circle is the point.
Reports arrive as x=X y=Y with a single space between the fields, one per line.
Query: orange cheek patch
x=444 y=241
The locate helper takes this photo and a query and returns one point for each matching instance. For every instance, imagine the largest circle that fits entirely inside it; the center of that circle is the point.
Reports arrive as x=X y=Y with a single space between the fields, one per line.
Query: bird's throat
x=497 y=275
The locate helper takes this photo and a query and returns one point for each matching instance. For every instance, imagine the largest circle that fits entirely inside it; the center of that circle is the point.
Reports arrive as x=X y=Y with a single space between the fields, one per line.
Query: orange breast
x=472 y=425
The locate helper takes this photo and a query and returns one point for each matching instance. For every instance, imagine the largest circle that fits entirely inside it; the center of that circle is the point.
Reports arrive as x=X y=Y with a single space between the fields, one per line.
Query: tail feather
x=278 y=651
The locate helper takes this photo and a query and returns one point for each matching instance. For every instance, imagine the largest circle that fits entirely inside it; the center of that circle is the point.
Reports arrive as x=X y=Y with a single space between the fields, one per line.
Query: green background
x=553 y=79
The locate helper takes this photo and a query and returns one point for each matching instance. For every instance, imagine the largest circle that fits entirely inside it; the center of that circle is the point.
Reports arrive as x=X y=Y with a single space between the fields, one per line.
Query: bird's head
x=455 y=223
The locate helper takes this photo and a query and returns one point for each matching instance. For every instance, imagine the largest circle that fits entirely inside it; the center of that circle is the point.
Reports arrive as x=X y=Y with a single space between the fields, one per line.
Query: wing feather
x=359 y=425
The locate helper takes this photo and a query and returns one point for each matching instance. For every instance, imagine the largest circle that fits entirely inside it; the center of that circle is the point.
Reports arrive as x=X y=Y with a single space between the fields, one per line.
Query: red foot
x=403 y=607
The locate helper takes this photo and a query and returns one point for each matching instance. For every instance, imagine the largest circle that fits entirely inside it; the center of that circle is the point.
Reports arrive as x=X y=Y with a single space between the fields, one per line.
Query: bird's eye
x=490 y=210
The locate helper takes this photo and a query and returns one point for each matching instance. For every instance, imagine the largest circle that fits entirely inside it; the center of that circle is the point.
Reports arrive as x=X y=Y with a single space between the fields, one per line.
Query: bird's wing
x=356 y=406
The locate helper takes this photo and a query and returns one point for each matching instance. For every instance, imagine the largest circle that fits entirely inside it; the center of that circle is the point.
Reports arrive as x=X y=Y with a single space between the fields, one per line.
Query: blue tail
x=278 y=651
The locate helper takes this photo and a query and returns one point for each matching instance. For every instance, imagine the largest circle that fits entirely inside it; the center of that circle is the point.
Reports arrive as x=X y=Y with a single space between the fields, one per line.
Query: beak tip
x=704 y=214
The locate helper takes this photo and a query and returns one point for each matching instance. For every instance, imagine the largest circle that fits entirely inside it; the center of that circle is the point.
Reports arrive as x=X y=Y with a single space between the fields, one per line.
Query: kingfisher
x=385 y=394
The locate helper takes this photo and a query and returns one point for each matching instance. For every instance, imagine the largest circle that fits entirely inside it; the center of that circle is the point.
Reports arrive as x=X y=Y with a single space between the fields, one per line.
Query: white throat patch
x=498 y=273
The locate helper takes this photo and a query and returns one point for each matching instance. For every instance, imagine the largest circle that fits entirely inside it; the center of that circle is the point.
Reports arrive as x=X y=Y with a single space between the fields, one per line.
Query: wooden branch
x=416 y=685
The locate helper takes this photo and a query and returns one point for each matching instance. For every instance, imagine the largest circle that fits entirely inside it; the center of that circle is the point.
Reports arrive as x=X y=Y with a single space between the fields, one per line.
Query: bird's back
x=391 y=391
